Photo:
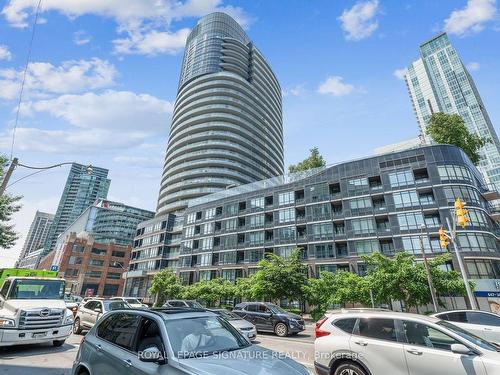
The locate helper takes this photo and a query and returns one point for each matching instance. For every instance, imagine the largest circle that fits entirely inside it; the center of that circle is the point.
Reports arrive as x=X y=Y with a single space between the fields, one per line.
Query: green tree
x=8 y=206
x=166 y=285
x=244 y=288
x=349 y=287
x=315 y=160
x=210 y=291
x=279 y=278
x=451 y=129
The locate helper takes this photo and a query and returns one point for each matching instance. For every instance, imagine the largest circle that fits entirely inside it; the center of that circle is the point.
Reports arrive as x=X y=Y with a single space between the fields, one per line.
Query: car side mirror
x=152 y=355
x=461 y=349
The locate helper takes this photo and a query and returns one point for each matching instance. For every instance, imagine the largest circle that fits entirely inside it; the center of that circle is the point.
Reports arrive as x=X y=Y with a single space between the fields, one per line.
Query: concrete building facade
x=35 y=240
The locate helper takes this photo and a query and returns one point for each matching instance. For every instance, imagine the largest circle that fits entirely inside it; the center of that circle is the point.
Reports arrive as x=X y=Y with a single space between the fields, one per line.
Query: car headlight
x=69 y=319
x=7 y=323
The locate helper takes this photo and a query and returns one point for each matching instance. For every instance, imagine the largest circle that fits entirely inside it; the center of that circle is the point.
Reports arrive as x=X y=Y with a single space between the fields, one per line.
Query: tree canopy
x=166 y=285
x=450 y=129
x=210 y=291
x=8 y=206
x=315 y=160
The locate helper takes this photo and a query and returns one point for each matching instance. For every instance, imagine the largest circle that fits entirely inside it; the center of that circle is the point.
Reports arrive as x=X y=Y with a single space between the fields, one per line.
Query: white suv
x=381 y=343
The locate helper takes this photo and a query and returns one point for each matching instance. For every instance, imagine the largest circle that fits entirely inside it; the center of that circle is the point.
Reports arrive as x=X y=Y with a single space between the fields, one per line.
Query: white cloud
x=5 y=53
x=473 y=66
x=111 y=109
x=400 y=73
x=146 y=23
x=472 y=18
x=151 y=42
x=358 y=22
x=334 y=86
x=81 y=38
x=70 y=77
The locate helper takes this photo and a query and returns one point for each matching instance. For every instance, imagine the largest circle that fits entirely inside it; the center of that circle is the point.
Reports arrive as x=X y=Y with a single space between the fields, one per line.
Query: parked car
x=175 y=341
x=72 y=302
x=481 y=323
x=247 y=328
x=89 y=313
x=268 y=317
x=182 y=303
x=380 y=343
x=132 y=301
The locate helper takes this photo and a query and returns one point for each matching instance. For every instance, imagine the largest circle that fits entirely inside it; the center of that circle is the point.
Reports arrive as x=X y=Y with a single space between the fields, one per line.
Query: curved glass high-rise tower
x=227 y=123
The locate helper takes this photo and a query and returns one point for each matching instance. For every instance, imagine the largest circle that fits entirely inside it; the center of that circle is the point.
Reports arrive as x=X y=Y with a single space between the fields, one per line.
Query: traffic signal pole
x=452 y=237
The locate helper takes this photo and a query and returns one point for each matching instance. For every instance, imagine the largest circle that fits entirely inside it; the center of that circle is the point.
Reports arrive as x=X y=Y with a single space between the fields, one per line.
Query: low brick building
x=87 y=265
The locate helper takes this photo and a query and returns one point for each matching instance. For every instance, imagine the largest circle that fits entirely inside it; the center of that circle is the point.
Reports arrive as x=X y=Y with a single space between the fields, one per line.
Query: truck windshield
x=37 y=289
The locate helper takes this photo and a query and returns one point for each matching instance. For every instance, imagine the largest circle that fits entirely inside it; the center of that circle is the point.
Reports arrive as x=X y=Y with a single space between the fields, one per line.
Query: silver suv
x=174 y=342
x=88 y=314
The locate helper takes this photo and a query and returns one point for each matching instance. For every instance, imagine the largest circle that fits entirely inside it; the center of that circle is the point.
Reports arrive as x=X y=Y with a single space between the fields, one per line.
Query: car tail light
x=318 y=331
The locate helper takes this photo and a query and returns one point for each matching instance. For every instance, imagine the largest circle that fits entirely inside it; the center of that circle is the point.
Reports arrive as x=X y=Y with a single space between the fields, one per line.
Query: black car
x=268 y=317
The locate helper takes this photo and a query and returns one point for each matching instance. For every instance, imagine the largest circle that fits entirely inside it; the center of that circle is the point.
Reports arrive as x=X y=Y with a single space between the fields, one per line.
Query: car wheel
x=77 y=329
x=281 y=329
x=58 y=343
x=349 y=368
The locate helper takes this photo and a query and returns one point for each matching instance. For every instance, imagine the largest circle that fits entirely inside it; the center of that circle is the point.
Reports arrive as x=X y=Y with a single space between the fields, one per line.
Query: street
x=47 y=360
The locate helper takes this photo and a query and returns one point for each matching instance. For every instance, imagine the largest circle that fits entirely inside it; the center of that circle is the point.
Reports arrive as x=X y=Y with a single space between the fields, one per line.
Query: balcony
x=492 y=193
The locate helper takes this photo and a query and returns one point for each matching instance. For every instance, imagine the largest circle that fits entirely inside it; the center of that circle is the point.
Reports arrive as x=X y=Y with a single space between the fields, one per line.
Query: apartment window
x=401 y=178
x=231 y=224
x=189 y=231
x=205 y=259
x=357 y=184
x=412 y=244
x=319 y=192
x=232 y=209
x=319 y=211
x=210 y=213
x=256 y=220
x=410 y=220
x=286 y=233
x=256 y=238
x=322 y=231
x=478 y=218
x=483 y=269
x=207 y=243
x=96 y=262
x=406 y=199
x=284 y=251
x=360 y=203
x=426 y=198
x=98 y=251
x=119 y=254
x=191 y=218
x=286 y=215
x=75 y=260
x=432 y=220
x=366 y=247
x=113 y=275
x=325 y=268
x=227 y=258
x=257 y=202
x=467 y=194
x=205 y=275
x=323 y=251
x=454 y=173
x=286 y=198
x=208 y=228
x=94 y=274
x=363 y=226
x=477 y=242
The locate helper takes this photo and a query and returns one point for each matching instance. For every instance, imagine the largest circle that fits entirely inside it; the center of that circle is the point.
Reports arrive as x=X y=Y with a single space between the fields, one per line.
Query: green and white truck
x=32 y=308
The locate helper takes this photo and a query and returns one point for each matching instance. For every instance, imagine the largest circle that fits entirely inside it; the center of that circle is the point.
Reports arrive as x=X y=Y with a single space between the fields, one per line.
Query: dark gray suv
x=268 y=317
x=174 y=342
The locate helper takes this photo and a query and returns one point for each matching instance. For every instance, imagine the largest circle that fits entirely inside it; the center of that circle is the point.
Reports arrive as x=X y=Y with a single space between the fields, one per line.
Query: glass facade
x=439 y=82
x=340 y=213
x=226 y=127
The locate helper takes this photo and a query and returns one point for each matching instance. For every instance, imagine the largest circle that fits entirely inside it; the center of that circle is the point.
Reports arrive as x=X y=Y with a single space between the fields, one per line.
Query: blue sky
x=103 y=77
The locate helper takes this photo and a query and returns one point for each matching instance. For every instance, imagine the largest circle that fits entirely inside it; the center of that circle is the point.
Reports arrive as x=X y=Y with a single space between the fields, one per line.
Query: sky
x=103 y=75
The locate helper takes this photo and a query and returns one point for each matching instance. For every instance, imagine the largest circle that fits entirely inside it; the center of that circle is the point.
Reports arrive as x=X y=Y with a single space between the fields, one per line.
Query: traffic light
x=460 y=211
x=443 y=239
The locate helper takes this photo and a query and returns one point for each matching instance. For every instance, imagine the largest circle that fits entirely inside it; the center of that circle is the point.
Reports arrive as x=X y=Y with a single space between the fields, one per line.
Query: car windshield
x=228 y=315
x=115 y=305
x=37 y=289
x=203 y=336
x=133 y=301
x=469 y=336
x=276 y=309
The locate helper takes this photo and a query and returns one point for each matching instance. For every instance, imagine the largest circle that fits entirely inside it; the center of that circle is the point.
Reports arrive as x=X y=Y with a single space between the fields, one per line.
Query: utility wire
x=37 y=11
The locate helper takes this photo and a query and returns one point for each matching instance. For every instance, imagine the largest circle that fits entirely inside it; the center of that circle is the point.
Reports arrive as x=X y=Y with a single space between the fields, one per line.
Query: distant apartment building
x=35 y=240
x=439 y=82
x=83 y=187
x=156 y=246
x=92 y=268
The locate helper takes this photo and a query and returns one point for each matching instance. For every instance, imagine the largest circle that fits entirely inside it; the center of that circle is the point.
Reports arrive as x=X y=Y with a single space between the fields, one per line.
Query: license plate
x=39 y=334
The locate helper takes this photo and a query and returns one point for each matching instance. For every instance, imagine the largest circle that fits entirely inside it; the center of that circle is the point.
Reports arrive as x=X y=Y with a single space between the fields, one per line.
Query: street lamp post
x=427 y=270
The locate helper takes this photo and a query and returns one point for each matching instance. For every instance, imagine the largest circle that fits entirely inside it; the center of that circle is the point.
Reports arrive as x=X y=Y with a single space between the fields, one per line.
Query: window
x=256 y=238
x=210 y=213
x=191 y=218
x=412 y=244
x=205 y=259
x=99 y=251
x=366 y=247
x=477 y=242
x=232 y=209
x=406 y=199
x=319 y=211
x=432 y=220
x=94 y=274
x=360 y=203
x=111 y=290
x=454 y=173
x=207 y=243
x=231 y=224
x=483 y=269
x=257 y=202
x=208 y=228
x=286 y=198
x=119 y=329
x=423 y=335
x=96 y=262
x=119 y=254
x=149 y=335
x=465 y=193
x=402 y=178
x=380 y=329
x=286 y=215
x=5 y=288
x=322 y=231
x=75 y=260
x=114 y=276
x=483 y=319
x=256 y=220
x=324 y=251
x=357 y=184
x=363 y=226
x=410 y=220
x=478 y=218
x=319 y=192
x=346 y=325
